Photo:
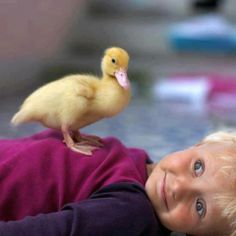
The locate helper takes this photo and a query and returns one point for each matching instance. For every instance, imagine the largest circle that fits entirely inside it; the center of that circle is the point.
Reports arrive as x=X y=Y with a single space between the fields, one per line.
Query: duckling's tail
x=18 y=118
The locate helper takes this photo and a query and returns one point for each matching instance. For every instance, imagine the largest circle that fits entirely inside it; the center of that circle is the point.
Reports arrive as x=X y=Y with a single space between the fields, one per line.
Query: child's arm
x=119 y=209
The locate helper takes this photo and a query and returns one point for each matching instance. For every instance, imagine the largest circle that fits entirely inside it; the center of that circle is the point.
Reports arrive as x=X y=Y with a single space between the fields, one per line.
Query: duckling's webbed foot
x=84 y=149
x=90 y=140
x=79 y=145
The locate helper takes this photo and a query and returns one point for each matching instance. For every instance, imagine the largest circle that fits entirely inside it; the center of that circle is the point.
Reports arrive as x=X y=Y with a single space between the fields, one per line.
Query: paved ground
x=158 y=127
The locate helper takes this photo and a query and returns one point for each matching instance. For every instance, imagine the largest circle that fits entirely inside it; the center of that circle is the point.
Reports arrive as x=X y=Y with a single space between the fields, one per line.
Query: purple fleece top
x=39 y=174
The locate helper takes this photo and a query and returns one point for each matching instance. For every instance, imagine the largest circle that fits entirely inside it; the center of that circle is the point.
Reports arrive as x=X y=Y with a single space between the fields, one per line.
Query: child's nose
x=181 y=188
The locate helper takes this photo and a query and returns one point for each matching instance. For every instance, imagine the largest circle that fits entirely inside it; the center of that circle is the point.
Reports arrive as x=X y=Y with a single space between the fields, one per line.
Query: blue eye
x=200 y=208
x=198 y=167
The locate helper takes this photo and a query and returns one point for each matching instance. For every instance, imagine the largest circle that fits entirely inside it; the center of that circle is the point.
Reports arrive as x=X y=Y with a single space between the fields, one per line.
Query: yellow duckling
x=76 y=101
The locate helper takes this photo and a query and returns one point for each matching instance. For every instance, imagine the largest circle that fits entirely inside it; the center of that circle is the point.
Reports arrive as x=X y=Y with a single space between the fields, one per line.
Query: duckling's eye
x=200 y=208
x=113 y=60
x=198 y=167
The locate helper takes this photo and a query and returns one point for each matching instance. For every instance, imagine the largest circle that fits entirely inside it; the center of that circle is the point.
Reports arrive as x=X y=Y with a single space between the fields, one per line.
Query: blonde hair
x=226 y=201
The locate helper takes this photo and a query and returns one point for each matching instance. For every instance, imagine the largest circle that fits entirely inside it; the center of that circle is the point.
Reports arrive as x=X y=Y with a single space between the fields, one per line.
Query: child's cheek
x=179 y=219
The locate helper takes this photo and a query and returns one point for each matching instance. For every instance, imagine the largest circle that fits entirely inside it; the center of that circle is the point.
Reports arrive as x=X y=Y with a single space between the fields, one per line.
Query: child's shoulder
x=129 y=201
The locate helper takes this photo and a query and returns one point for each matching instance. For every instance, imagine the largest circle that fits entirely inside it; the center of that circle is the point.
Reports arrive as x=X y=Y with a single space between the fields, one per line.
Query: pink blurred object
x=223 y=92
x=212 y=90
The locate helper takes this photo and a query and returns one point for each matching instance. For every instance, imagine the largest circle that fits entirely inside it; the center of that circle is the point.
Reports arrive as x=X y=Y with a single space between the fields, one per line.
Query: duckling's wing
x=84 y=91
x=86 y=86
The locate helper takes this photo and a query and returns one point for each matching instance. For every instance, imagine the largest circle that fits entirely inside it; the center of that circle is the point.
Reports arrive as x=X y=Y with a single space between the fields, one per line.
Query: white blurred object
x=194 y=91
x=208 y=25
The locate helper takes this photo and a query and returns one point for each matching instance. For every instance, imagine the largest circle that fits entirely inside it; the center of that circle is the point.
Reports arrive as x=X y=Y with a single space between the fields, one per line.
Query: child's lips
x=163 y=191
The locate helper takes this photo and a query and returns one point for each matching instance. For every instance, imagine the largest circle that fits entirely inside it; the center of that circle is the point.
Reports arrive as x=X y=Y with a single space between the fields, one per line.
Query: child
x=191 y=191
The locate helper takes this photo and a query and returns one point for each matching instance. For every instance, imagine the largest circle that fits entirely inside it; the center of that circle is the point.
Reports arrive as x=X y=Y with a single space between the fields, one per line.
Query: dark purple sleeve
x=117 y=210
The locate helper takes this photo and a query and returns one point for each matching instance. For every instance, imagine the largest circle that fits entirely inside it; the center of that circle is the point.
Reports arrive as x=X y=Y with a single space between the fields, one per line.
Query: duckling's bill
x=122 y=78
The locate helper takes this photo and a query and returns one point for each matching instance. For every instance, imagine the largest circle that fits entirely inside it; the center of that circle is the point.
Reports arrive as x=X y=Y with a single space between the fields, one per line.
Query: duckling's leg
x=77 y=147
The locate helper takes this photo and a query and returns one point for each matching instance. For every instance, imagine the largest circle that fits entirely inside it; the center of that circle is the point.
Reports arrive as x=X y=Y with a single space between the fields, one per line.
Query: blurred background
x=182 y=65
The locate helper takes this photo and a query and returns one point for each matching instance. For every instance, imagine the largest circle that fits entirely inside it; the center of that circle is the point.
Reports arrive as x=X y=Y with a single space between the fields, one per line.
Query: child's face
x=182 y=189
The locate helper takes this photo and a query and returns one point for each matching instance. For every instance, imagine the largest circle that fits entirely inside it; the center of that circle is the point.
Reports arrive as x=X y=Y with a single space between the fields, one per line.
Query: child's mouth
x=163 y=191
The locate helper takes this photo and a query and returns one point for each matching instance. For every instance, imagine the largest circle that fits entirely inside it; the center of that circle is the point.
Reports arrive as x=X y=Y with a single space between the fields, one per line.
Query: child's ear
x=197 y=144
